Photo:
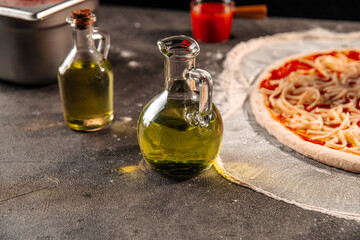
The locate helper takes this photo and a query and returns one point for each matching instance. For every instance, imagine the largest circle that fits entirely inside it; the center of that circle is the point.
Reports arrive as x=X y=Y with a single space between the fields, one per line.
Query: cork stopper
x=83 y=18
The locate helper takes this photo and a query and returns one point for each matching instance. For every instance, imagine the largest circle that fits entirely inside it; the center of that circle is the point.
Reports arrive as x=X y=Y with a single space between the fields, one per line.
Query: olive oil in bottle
x=85 y=76
x=86 y=91
x=172 y=145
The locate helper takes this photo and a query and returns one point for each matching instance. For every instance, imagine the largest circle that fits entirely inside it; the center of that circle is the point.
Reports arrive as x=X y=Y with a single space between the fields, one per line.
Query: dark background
x=316 y=9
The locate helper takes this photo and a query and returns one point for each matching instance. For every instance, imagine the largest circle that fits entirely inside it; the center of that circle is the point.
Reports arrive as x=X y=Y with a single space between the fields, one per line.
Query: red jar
x=212 y=20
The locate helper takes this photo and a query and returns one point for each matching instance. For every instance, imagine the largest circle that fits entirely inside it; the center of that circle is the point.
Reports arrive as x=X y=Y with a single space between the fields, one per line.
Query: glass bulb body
x=171 y=140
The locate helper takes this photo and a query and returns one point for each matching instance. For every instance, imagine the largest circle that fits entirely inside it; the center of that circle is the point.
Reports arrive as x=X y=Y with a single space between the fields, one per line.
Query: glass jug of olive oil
x=180 y=130
x=85 y=76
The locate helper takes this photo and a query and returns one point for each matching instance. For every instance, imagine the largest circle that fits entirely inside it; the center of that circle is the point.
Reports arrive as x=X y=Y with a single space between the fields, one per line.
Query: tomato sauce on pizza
x=317 y=97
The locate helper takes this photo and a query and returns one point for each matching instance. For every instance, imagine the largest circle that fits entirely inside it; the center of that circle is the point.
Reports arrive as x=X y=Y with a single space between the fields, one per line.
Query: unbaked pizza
x=312 y=104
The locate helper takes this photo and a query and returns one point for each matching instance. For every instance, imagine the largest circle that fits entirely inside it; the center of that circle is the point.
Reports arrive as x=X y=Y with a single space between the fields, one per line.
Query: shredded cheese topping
x=320 y=103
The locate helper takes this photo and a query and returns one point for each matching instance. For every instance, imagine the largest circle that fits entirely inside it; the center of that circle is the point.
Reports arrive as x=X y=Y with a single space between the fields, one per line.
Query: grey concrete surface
x=59 y=184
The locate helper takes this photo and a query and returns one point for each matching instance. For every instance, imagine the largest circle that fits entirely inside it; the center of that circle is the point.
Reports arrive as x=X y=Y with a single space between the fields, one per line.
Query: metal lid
x=35 y=10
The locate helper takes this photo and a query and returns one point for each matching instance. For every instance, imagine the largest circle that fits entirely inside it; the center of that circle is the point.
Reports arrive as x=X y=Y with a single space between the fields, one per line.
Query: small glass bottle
x=180 y=130
x=85 y=76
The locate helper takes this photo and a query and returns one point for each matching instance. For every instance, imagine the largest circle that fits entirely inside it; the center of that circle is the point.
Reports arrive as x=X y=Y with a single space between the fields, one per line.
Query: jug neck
x=81 y=21
x=176 y=69
x=179 y=52
x=83 y=39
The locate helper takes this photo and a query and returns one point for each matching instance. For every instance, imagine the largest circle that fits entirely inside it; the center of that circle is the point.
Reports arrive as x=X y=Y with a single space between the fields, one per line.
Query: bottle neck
x=175 y=69
x=83 y=39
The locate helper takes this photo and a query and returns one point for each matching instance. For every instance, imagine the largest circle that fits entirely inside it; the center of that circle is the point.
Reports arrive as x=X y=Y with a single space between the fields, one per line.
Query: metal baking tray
x=35 y=38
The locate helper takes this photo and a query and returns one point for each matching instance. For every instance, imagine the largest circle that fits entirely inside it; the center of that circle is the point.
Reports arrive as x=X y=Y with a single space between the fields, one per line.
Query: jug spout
x=179 y=46
x=180 y=53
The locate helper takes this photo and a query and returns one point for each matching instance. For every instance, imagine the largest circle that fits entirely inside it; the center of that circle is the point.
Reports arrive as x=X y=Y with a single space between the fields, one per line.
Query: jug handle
x=104 y=41
x=205 y=104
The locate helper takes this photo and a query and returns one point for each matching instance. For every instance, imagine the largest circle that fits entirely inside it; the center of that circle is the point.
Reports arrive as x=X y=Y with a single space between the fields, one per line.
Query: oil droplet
x=127 y=169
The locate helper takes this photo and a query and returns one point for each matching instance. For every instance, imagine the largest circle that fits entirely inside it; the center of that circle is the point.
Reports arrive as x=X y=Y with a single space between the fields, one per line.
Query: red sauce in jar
x=211 y=21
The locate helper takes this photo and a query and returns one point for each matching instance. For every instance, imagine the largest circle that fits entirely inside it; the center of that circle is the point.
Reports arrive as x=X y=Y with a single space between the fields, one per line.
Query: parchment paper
x=250 y=156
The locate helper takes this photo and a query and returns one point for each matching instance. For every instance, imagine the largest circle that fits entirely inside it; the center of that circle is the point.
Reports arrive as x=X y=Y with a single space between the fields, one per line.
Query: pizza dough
x=265 y=117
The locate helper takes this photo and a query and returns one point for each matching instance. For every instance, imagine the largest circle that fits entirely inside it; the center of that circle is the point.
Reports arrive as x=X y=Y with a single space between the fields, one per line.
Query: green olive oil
x=86 y=90
x=180 y=130
x=173 y=146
